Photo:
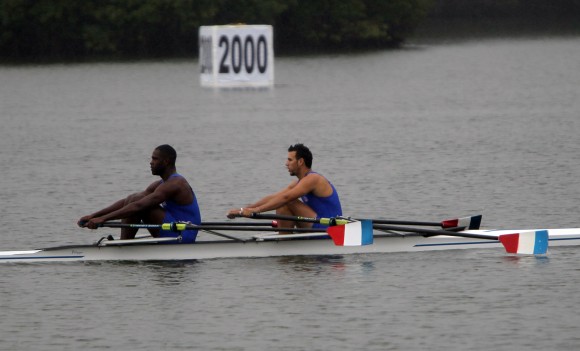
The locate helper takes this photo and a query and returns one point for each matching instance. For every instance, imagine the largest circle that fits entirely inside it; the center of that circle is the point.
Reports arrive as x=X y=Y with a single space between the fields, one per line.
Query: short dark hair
x=168 y=152
x=302 y=152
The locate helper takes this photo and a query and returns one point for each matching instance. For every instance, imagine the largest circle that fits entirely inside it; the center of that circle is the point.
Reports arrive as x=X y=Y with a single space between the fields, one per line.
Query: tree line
x=506 y=9
x=73 y=29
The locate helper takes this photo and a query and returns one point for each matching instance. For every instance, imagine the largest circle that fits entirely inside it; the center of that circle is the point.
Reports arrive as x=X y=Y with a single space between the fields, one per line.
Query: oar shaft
x=141 y=225
x=249 y=229
x=284 y=217
x=338 y=221
x=396 y=222
x=185 y=226
x=127 y=225
x=325 y=221
x=434 y=232
x=239 y=224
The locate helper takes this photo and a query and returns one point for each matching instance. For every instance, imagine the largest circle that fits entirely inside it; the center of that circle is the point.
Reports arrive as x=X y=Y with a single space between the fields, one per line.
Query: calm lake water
x=441 y=128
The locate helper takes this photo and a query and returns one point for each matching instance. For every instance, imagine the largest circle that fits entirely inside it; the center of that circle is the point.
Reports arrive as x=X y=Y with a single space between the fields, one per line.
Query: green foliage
x=75 y=29
x=64 y=29
x=496 y=9
x=248 y=11
x=350 y=23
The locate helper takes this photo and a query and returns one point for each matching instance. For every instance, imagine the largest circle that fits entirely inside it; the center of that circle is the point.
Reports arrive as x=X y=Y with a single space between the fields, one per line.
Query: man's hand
x=91 y=223
x=83 y=221
x=241 y=212
x=234 y=212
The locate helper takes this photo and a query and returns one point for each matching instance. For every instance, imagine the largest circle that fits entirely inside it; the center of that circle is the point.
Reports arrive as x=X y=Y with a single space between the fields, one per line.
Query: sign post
x=236 y=56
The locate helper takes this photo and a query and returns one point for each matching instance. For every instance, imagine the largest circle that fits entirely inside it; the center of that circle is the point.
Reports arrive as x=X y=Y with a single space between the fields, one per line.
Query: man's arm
x=236 y=211
x=271 y=196
x=305 y=186
x=114 y=207
x=119 y=209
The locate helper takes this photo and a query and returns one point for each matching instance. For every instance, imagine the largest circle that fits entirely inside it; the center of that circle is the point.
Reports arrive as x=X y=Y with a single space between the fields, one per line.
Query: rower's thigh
x=299 y=208
x=134 y=197
x=155 y=215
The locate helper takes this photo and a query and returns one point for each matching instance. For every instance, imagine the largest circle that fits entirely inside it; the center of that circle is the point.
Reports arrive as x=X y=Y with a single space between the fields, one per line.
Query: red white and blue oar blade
x=472 y=222
x=356 y=233
x=533 y=242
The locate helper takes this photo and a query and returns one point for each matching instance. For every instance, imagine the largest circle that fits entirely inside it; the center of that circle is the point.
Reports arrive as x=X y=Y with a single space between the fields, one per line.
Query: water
x=437 y=129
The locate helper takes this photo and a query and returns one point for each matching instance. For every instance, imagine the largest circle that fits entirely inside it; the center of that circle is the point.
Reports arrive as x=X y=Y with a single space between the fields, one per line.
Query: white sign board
x=236 y=56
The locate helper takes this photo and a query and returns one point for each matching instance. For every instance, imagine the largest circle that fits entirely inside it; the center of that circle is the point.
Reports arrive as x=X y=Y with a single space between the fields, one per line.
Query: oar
x=219 y=225
x=177 y=227
x=325 y=221
x=357 y=233
x=353 y=234
x=532 y=242
x=165 y=226
x=472 y=222
x=239 y=224
x=250 y=224
x=273 y=224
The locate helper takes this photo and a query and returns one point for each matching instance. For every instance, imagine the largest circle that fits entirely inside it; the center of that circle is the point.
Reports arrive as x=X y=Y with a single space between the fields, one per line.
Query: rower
x=312 y=195
x=170 y=199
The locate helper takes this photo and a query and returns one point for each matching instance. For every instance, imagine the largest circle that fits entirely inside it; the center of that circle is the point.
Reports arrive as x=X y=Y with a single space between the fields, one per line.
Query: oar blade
x=534 y=242
x=356 y=233
x=471 y=222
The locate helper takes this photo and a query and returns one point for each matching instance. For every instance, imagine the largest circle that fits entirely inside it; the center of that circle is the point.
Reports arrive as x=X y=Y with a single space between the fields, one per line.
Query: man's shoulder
x=174 y=182
x=320 y=181
x=314 y=176
x=173 y=188
x=313 y=179
x=177 y=181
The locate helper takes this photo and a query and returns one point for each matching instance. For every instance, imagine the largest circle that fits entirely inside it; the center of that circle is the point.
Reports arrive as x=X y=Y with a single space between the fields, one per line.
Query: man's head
x=163 y=157
x=168 y=153
x=302 y=152
x=299 y=160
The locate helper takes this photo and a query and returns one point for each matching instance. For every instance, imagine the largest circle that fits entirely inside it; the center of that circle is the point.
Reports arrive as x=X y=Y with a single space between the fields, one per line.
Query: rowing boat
x=270 y=245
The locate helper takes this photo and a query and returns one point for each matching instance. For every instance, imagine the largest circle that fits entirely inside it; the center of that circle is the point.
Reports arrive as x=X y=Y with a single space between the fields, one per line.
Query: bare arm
x=128 y=210
x=271 y=196
x=272 y=202
x=305 y=186
x=234 y=212
x=119 y=207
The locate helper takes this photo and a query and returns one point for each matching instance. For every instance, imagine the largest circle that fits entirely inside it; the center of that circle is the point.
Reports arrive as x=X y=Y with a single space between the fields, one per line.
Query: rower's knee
x=133 y=197
x=284 y=210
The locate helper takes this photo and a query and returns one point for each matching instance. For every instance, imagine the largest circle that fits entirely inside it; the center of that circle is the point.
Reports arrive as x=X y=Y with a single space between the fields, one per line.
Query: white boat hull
x=383 y=243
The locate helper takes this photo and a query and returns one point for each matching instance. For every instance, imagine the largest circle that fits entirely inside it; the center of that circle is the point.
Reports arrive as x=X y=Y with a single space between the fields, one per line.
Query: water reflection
x=527 y=260
x=162 y=273
x=336 y=263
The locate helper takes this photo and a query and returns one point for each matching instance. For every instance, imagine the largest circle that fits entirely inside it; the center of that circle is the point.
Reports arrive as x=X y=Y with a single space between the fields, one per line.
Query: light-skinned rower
x=311 y=195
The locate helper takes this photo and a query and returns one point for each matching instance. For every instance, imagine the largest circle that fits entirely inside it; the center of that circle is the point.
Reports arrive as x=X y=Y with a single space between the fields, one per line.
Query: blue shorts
x=187 y=236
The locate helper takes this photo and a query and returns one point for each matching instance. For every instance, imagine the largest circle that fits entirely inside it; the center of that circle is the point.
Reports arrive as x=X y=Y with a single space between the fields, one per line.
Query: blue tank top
x=175 y=212
x=325 y=207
